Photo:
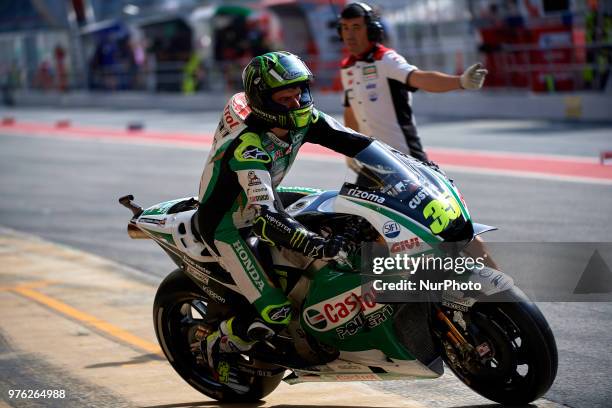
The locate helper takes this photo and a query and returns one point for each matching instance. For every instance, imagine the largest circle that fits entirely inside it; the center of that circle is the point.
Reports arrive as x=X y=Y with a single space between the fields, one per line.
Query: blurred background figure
x=60 y=68
x=193 y=75
x=198 y=46
x=44 y=76
x=9 y=80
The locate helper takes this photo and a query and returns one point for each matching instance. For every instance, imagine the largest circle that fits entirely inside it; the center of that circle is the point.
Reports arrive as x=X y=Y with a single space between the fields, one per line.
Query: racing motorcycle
x=493 y=339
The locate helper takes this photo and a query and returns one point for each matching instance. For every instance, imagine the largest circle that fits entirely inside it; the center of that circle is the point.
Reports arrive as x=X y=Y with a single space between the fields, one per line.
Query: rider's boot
x=228 y=340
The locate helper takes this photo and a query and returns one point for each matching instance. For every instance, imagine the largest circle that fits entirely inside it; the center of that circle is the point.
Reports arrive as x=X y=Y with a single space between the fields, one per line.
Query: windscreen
x=418 y=190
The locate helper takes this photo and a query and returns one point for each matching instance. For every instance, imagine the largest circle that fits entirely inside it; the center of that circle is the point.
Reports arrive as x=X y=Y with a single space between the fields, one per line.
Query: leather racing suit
x=237 y=192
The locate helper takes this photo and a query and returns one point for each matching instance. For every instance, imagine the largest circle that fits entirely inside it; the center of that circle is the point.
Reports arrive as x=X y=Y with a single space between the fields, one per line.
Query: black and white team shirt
x=375 y=88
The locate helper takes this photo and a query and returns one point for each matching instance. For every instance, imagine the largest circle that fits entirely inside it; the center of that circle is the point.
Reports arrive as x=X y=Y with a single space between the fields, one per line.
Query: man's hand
x=473 y=77
x=334 y=248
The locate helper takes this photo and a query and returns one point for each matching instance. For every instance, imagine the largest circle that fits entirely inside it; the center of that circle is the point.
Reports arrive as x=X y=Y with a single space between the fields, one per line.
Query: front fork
x=459 y=350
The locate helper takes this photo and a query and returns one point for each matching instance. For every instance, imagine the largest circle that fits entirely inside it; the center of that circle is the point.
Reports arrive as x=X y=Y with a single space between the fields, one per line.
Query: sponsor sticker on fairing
x=196 y=273
x=315 y=319
x=405 y=245
x=418 y=198
x=155 y=221
x=340 y=309
x=391 y=229
x=214 y=295
x=357 y=377
x=366 y=195
x=371 y=321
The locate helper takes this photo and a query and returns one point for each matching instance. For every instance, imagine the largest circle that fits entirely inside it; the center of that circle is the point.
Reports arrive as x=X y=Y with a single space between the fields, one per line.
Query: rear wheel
x=179 y=317
x=512 y=357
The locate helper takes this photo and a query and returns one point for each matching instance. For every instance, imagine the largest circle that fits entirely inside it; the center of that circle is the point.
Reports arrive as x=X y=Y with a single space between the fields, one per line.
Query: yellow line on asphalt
x=88 y=319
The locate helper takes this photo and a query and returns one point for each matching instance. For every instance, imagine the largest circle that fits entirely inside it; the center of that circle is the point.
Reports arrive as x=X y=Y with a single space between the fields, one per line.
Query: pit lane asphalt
x=66 y=191
x=76 y=328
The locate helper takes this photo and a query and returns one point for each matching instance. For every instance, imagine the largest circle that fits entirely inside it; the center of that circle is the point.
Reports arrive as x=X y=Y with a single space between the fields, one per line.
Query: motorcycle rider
x=255 y=144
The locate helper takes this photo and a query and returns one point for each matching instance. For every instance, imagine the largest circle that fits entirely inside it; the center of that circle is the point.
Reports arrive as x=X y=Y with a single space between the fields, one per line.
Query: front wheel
x=511 y=357
x=180 y=321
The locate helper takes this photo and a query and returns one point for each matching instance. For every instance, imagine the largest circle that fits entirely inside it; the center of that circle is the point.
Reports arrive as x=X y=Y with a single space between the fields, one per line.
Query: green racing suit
x=237 y=193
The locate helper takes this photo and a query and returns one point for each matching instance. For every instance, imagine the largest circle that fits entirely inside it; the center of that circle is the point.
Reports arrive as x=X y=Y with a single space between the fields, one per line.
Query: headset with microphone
x=374 y=27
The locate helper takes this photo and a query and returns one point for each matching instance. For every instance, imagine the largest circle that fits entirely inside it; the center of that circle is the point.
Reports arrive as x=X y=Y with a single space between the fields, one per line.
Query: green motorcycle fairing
x=337 y=313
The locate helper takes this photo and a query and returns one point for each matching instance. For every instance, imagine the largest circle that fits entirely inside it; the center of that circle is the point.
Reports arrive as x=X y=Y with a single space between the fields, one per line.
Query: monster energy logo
x=298 y=238
x=277 y=223
x=263 y=114
x=248 y=264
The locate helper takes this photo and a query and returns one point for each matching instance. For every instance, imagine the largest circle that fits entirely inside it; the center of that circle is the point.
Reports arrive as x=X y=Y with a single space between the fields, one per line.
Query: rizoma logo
x=248 y=264
x=405 y=245
x=334 y=312
x=391 y=229
x=364 y=195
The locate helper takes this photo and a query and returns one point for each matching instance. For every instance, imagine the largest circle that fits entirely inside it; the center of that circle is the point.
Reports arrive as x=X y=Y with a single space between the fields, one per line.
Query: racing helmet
x=272 y=72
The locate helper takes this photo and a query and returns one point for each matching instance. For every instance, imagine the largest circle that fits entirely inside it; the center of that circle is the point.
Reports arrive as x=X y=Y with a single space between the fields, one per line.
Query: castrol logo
x=338 y=310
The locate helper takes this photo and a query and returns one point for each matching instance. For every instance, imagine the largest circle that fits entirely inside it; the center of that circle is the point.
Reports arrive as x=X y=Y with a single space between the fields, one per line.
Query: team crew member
x=255 y=144
x=378 y=82
x=378 y=85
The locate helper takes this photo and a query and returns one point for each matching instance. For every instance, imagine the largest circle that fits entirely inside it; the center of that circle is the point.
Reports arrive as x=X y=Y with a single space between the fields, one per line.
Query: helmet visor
x=305 y=98
x=289 y=70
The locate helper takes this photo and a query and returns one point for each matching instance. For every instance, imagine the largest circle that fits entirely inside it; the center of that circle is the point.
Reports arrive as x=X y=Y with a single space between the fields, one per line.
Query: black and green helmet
x=272 y=72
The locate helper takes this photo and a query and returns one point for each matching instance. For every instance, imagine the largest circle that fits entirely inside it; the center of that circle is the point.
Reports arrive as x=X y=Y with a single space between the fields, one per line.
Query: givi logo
x=338 y=310
x=405 y=245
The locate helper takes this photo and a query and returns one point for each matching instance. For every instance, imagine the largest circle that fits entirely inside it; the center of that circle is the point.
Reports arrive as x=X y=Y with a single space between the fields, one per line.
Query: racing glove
x=473 y=77
x=327 y=249
x=278 y=228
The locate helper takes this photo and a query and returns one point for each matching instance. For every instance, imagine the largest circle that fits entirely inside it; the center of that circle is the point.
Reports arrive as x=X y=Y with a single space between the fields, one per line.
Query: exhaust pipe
x=136 y=233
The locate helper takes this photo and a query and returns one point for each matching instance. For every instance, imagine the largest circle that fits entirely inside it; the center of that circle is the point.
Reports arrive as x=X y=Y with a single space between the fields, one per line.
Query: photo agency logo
x=551 y=272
